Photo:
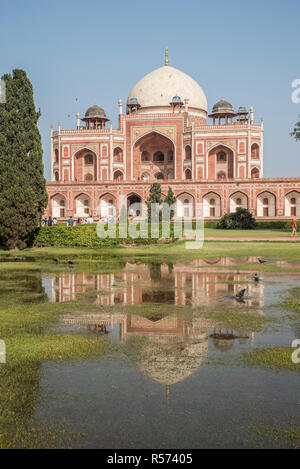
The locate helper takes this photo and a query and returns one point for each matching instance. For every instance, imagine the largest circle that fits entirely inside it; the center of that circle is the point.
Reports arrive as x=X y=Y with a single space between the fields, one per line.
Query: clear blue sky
x=247 y=52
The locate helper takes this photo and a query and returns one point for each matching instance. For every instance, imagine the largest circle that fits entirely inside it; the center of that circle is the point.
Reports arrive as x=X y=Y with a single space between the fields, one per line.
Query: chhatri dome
x=158 y=88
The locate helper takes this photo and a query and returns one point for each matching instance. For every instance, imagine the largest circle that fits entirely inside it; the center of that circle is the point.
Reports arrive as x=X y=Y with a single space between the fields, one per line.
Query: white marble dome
x=160 y=86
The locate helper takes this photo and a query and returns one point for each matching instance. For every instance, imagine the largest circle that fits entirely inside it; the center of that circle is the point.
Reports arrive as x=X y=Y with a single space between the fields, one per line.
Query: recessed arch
x=266 y=204
x=84 y=162
x=211 y=205
x=107 y=205
x=255 y=173
x=215 y=166
x=292 y=204
x=185 y=205
x=82 y=205
x=188 y=174
x=188 y=153
x=118 y=154
x=255 y=151
x=134 y=204
x=118 y=175
x=238 y=200
x=58 y=206
x=152 y=151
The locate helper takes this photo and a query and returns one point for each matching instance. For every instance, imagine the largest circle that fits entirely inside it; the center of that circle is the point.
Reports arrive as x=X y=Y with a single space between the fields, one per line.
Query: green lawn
x=163 y=253
x=214 y=233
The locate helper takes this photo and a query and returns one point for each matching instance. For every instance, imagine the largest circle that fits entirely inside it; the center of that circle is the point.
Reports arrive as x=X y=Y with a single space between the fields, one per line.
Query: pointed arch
x=185 y=205
x=227 y=164
x=266 y=204
x=292 y=204
x=238 y=199
x=255 y=173
x=211 y=204
x=58 y=206
x=84 y=162
x=83 y=205
x=118 y=175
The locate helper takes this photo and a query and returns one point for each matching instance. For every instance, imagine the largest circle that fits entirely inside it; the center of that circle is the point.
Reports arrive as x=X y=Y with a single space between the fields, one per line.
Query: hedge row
x=86 y=236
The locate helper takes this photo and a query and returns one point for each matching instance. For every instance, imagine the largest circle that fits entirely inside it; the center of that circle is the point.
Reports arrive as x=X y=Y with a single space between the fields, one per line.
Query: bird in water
x=255 y=278
x=70 y=262
x=261 y=260
x=56 y=260
x=240 y=294
x=16 y=259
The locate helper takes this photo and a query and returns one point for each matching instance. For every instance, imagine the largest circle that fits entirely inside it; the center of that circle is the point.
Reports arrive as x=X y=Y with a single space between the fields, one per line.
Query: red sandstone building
x=165 y=136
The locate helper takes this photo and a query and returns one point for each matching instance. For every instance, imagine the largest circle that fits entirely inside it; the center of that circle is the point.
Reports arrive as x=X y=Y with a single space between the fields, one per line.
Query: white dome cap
x=160 y=86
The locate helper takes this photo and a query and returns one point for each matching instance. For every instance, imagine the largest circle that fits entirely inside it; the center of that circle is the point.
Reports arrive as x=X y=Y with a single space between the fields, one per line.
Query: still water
x=176 y=379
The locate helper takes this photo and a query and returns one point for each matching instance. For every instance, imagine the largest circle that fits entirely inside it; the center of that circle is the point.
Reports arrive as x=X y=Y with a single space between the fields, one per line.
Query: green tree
x=23 y=195
x=154 y=198
x=296 y=131
x=170 y=200
x=239 y=220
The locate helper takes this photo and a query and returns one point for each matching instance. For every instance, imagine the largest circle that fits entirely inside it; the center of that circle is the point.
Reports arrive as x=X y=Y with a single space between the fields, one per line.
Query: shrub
x=239 y=220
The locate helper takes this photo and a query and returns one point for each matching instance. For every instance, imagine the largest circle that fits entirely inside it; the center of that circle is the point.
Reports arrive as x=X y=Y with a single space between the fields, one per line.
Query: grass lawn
x=214 y=233
x=159 y=253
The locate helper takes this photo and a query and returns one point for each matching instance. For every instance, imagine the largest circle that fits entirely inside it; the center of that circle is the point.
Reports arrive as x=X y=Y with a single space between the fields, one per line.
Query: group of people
x=49 y=221
x=80 y=221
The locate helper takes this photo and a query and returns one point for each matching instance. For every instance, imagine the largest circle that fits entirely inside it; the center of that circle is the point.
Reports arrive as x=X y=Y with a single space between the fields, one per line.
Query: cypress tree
x=23 y=195
x=170 y=200
x=154 y=198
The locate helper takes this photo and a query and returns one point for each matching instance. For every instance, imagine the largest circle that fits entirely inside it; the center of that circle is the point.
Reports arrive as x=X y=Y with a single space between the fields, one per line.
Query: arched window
x=170 y=156
x=212 y=202
x=88 y=159
x=265 y=201
x=221 y=175
x=118 y=176
x=255 y=152
x=188 y=174
x=188 y=153
x=254 y=173
x=221 y=157
x=158 y=157
x=89 y=177
x=145 y=156
x=118 y=154
x=58 y=207
x=56 y=156
x=238 y=201
x=293 y=201
x=56 y=176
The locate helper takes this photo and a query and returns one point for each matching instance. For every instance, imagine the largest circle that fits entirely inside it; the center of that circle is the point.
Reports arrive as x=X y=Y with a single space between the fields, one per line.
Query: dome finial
x=166 y=56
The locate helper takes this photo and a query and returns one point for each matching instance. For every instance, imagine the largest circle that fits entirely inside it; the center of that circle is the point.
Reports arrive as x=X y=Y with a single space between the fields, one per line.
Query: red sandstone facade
x=96 y=170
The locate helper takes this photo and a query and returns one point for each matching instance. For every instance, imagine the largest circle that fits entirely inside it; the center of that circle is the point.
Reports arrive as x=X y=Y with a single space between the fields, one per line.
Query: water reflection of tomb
x=182 y=285
x=173 y=347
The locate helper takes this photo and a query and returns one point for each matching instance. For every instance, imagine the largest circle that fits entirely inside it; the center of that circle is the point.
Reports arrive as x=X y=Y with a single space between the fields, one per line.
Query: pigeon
x=241 y=293
x=16 y=259
x=261 y=261
x=56 y=260
x=255 y=278
x=70 y=262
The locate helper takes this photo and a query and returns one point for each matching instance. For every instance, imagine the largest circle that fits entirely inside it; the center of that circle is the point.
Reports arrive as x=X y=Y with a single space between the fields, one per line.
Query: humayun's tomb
x=164 y=136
